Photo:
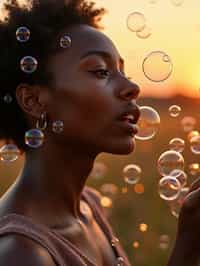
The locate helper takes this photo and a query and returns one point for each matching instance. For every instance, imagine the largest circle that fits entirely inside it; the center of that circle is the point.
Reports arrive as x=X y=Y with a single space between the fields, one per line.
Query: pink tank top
x=63 y=251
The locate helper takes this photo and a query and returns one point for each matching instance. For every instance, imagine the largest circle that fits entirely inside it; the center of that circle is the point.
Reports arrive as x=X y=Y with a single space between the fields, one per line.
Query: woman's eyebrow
x=103 y=54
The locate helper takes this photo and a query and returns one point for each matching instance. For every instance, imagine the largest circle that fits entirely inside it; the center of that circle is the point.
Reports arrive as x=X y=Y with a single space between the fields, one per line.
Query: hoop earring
x=34 y=138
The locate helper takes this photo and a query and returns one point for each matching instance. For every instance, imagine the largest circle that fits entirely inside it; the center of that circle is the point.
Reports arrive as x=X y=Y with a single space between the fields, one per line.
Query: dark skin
x=90 y=92
x=49 y=187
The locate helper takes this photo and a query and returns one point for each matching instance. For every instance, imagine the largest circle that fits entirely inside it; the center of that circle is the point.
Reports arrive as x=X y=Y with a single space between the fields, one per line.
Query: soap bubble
x=34 y=138
x=132 y=174
x=177 y=144
x=99 y=170
x=109 y=190
x=174 y=110
x=169 y=161
x=157 y=66
x=23 y=34
x=169 y=188
x=65 y=41
x=28 y=64
x=188 y=123
x=180 y=175
x=192 y=134
x=148 y=123
x=195 y=144
x=136 y=21
x=9 y=153
x=144 y=33
x=194 y=168
x=176 y=205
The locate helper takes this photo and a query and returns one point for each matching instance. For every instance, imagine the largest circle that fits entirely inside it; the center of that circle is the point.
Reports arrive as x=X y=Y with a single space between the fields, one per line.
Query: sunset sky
x=175 y=30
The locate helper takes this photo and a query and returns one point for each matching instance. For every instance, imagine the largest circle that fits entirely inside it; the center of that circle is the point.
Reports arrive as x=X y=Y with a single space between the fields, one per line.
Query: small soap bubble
x=188 y=123
x=164 y=242
x=136 y=21
x=28 y=64
x=7 y=98
x=174 y=110
x=58 y=126
x=106 y=202
x=23 y=34
x=157 y=66
x=65 y=41
x=34 y=138
x=144 y=33
x=193 y=134
x=9 y=153
x=136 y=244
x=180 y=175
x=176 y=205
x=132 y=174
x=177 y=2
x=195 y=144
x=143 y=227
x=169 y=161
x=169 y=188
x=148 y=123
x=177 y=144
x=194 y=168
x=99 y=170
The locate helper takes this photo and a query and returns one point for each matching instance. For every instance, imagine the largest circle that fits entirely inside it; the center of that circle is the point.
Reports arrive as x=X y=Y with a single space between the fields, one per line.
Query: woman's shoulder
x=19 y=250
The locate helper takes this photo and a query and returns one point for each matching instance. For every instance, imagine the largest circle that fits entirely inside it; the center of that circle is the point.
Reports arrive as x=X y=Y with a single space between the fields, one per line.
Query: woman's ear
x=31 y=99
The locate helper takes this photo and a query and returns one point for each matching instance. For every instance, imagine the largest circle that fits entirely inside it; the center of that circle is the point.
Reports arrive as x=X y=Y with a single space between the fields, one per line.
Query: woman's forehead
x=86 y=39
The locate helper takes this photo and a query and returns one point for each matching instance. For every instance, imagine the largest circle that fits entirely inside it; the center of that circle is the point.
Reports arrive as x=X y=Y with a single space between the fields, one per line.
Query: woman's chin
x=124 y=147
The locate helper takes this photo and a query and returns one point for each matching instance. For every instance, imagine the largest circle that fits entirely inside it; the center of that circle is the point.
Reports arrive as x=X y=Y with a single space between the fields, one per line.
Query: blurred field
x=130 y=209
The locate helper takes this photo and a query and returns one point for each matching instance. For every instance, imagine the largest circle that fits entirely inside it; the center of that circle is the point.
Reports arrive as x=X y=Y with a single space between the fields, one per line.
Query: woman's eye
x=101 y=73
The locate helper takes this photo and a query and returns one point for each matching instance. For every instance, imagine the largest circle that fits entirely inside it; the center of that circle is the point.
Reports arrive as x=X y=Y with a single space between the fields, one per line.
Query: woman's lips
x=128 y=126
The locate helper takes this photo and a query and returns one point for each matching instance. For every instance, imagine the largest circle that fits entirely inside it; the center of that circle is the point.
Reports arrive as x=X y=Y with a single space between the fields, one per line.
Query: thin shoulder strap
x=19 y=224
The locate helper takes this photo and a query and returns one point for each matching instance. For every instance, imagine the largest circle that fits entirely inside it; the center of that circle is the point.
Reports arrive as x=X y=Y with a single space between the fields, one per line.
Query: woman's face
x=92 y=95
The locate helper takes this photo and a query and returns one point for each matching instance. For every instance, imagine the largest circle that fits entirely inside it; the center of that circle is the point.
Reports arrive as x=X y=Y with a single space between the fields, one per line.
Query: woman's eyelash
x=101 y=73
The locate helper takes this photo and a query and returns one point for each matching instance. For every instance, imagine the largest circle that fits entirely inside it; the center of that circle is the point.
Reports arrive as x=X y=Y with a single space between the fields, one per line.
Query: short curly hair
x=45 y=19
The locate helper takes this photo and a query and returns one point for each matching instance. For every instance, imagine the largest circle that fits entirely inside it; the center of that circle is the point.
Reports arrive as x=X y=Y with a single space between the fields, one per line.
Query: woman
x=71 y=88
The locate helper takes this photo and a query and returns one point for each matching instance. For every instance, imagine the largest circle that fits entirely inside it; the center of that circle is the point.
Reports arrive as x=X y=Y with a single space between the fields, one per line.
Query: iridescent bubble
x=177 y=144
x=34 y=138
x=7 y=98
x=65 y=41
x=194 y=168
x=9 y=153
x=174 y=110
x=195 y=144
x=148 y=123
x=188 y=123
x=144 y=33
x=177 y=2
x=136 y=21
x=99 y=170
x=193 y=134
x=106 y=202
x=28 y=64
x=169 y=188
x=180 y=175
x=164 y=242
x=132 y=174
x=157 y=66
x=169 y=161
x=58 y=126
x=23 y=34
x=176 y=205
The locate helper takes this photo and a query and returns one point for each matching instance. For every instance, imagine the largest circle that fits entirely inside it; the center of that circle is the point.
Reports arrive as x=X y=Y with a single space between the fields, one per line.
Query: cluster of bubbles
x=29 y=64
x=136 y=22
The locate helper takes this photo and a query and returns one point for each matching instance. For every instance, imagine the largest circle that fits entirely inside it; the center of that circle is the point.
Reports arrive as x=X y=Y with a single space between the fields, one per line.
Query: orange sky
x=175 y=30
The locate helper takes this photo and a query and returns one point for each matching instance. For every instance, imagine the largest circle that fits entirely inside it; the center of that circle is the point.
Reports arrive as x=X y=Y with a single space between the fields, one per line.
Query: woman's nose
x=130 y=91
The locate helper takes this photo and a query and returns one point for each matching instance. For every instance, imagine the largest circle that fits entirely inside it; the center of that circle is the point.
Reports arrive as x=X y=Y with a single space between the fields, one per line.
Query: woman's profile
x=65 y=99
